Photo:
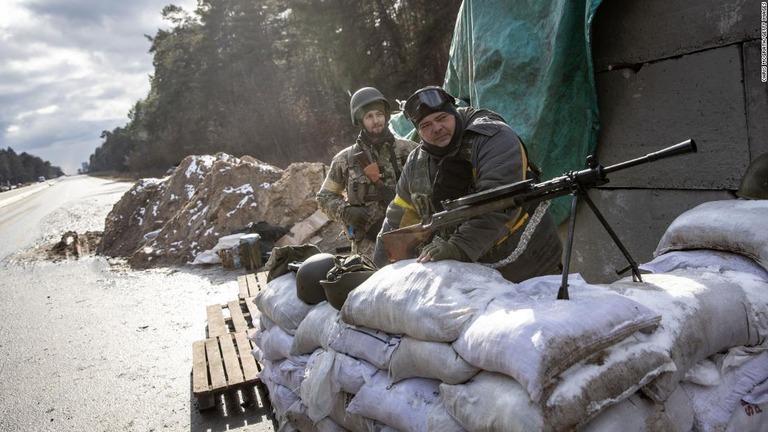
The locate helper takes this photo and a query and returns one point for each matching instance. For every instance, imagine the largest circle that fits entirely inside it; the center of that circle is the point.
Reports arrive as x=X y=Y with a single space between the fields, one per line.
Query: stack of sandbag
x=712 y=263
x=543 y=364
x=454 y=346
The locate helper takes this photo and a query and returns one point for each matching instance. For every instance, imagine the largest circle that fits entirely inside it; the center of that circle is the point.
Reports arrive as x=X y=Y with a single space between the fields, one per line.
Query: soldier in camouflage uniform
x=362 y=178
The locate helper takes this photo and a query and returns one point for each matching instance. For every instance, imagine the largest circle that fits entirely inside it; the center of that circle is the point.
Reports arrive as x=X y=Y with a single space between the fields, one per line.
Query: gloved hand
x=423 y=205
x=355 y=216
x=440 y=250
x=372 y=172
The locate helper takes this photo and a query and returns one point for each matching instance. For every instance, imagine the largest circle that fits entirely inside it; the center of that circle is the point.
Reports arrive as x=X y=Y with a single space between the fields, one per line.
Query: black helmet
x=426 y=101
x=308 y=277
x=754 y=184
x=336 y=291
x=363 y=97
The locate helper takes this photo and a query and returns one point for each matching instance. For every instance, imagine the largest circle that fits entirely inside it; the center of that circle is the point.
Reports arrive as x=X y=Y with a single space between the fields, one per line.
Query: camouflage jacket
x=346 y=184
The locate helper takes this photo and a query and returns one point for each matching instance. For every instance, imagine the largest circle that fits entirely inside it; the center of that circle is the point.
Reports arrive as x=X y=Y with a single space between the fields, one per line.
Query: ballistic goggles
x=426 y=101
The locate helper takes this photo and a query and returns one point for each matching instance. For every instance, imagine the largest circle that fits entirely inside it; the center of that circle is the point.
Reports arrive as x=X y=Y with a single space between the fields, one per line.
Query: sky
x=72 y=69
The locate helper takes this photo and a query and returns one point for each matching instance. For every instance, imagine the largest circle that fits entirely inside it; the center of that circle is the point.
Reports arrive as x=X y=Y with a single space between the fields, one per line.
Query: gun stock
x=401 y=243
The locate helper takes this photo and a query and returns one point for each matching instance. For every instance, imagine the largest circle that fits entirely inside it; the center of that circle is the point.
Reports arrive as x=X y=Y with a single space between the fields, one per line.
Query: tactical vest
x=390 y=158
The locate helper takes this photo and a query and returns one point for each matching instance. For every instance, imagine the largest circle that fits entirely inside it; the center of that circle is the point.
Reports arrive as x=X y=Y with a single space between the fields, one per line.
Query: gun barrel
x=687 y=146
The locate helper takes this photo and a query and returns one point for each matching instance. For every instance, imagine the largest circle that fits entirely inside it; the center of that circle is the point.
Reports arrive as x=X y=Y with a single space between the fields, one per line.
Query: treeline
x=24 y=168
x=272 y=78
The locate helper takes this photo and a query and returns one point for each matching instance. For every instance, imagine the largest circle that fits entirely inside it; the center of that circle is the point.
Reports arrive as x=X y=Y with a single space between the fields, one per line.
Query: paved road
x=90 y=345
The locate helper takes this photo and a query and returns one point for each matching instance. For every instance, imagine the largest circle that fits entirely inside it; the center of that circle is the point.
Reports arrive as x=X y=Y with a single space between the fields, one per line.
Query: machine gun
x=402 y=243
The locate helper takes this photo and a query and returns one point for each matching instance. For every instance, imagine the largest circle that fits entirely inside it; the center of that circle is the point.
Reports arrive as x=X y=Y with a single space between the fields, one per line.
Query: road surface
x=89 y=344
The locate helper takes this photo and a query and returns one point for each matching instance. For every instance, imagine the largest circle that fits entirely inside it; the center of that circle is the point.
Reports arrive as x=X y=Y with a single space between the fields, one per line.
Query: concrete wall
x=666 y=71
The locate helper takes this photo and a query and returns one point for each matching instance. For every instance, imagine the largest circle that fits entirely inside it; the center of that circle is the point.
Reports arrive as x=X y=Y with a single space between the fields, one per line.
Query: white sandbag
x=264 y=322
x=286 y=372
x=739 y=226
x=352 y=422
x=430 y=301
x=638 y=413
x=702 y=313
x=494 y=401
x=297 y=415
x=607 y=377
x=715 y=405
x=438 y=419
x=749 y=418
x=316 y=329
x=712 y=260
x=758 y=395
x=404 y=405
x=373 y=346
x=275 y=343
x=352 y=373
x=319 y=385
x=278 y=301
x=281 y=398
x=531 y=336
x=414 y=358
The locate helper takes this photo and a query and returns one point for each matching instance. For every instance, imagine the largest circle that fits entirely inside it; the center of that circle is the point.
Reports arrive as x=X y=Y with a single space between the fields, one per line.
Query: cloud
x=71 y=69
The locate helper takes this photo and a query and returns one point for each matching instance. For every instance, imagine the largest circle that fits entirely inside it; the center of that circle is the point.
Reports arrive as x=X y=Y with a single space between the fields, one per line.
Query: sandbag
x=352 y=373
x=532 y=337
x=492 y=401
x=319 y=385
x=638 y=413
x=374 y=346
x=275 y=343
x=404 y=405
x=430 y=302
x=711 y=260
x=739 y=226
x=297 y=416
x=702 y=313
x=495 y=401
x=316 y=329
x=715 y=405
x=281 y=399
x=414 y=358
x=278 y=301
x=287 y=372
x=438 y=419
x=352 y=422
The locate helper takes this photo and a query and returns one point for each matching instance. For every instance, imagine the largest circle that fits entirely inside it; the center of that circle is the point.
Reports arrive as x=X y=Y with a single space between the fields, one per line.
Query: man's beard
x=377 y=136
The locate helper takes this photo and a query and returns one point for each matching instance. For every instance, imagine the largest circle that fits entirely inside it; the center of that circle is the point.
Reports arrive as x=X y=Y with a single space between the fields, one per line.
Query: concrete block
x=638 y=217
x=699 y=96
x=636 y=32
x=756 y=100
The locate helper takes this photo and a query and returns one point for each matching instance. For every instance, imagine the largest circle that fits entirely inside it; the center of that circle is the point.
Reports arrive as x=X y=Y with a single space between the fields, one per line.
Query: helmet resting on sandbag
x=308 y=277
x=754 y=184
x=336 y=291
x=366 y=96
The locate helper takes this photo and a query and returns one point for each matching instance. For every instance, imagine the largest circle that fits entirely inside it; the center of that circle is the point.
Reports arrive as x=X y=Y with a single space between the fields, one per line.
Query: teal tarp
x=531 y=62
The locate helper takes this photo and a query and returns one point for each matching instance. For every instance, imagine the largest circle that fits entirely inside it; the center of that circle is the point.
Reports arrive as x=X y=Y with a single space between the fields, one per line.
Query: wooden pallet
x=249 y=285
x=232 y=317
x=223 y=364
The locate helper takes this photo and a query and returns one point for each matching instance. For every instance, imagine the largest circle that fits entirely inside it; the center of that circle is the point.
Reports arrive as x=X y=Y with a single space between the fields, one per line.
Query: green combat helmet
x=754 y=184
x=308 y=277
x=347 y=275
x=363 y=97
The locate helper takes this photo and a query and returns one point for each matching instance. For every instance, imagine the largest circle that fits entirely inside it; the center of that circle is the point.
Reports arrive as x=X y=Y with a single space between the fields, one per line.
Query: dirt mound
x=170 y=220
x=73 y=245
